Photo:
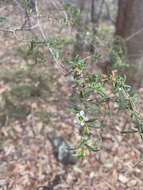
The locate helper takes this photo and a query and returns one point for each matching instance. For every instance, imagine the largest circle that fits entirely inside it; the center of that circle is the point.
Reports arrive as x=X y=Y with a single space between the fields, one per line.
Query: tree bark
x=129 y=26
x=87 y=10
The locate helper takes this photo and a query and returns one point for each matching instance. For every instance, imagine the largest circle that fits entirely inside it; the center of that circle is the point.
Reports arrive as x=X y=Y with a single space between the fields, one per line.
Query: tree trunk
x=130 y=27
x=87 y=17
x=79 y=45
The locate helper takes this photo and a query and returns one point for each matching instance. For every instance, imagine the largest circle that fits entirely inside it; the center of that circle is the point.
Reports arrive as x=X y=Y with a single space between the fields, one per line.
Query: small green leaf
x=3 y=19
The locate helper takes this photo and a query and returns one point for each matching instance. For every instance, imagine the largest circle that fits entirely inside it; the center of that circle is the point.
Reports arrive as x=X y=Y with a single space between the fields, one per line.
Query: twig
x=130 y=131
x=134 y=35
x=58 y=64
x=137 y=163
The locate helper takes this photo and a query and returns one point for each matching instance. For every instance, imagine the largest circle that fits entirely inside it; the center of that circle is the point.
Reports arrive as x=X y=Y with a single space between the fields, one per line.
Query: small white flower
x=82 y=114
x=80 y=119
x=82 y=123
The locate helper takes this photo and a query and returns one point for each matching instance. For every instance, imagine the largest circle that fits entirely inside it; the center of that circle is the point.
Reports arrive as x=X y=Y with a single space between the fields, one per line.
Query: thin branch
x=58 y=63
x=134 y=35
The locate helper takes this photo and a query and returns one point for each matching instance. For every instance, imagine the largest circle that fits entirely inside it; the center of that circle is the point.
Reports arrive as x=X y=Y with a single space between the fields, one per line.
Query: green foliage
x=74 y=14
x=29 y=5
x=99 y=90
x=3 y=19
x=34 y=50
x=118 y=54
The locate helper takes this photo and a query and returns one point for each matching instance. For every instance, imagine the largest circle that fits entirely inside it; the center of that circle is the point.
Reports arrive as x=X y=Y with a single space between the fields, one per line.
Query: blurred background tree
x=129 y=26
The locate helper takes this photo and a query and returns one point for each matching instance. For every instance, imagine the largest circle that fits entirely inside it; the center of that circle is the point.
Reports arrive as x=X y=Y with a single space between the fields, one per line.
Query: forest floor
x=34 y=101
